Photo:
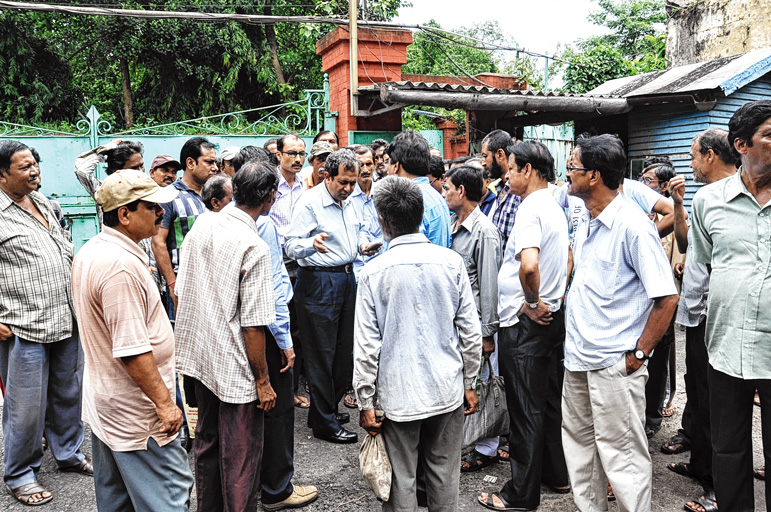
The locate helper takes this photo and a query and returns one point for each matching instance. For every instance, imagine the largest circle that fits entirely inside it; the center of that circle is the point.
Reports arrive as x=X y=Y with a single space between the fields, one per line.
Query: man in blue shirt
x=410 y=158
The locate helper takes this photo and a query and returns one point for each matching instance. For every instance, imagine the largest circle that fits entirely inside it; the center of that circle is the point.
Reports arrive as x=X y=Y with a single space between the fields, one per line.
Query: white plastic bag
x=375 y=466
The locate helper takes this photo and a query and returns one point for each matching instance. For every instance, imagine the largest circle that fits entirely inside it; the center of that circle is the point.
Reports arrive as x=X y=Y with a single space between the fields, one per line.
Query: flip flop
x=503 y=452
x=681 y=468
x=490 y=504
x=678 y=443
x=301 y=402
x=349 y=400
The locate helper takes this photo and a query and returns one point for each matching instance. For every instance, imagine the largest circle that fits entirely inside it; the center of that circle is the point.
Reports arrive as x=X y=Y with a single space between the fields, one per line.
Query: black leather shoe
x=342 y=436
x=184 y=438
x=343 y=418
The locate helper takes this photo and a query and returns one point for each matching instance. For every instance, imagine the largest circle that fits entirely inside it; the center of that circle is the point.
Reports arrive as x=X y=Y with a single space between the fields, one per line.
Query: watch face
x=639 y=354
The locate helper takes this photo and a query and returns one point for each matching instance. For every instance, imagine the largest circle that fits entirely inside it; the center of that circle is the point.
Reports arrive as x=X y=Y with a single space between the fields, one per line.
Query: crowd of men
x=391 y=281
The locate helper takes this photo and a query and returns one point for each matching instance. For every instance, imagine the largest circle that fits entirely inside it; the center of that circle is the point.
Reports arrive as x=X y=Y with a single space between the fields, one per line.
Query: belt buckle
x=348 y=268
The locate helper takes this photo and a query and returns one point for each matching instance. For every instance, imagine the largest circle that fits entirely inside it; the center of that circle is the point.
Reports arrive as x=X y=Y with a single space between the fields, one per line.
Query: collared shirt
x=35 y=297
x=692 y=308
x=225 y=283
x=620 y=268
x=540 y=224
x=370 y=225
x=282 y=286
x=179 y=217
x=504 y=212
x=121 y=315
x=318 y=212
x=308 y=181
x=732 y=232
x=436 y=214
x=286 y=199
x=487 y=202
x=417 y=339
x=478 y=241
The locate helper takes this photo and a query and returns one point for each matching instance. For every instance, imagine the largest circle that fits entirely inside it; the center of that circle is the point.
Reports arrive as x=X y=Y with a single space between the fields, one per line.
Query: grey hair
x=344 y=157
x=214 y=188
x=399 y=202
x=253 y=184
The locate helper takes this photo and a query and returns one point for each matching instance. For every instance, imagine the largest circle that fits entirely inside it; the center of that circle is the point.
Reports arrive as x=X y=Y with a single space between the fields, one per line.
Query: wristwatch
x=639 y=354
x=533 y=305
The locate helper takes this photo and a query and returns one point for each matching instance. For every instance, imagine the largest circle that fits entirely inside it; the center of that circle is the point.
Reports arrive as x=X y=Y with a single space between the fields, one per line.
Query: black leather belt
x=342 y=269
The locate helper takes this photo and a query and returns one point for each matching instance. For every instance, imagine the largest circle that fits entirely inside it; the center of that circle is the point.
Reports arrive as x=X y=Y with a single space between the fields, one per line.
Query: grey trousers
x=603 y=435
x=440 y=438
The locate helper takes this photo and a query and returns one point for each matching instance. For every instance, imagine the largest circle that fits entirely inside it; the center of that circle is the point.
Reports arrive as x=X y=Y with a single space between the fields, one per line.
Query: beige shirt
x=120 y=314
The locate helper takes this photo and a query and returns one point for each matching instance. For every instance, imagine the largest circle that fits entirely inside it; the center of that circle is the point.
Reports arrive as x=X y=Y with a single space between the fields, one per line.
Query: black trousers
x=731 y=409
x=697 y=390
x=656 y=387
x=294 y=325
x=278 y=452
x=530 y=362
x=325 y=304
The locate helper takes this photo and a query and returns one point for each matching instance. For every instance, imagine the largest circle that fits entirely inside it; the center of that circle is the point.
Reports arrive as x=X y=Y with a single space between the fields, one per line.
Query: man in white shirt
x=619 y=306
x=531 y=285
x=418 y=359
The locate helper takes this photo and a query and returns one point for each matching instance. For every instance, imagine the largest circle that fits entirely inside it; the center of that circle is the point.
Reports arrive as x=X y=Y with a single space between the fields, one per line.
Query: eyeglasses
x=648 y=181
x=295 y=154
x=571 y=170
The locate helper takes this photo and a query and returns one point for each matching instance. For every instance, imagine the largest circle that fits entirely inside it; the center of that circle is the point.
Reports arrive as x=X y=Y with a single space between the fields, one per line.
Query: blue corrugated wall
x=669 y=129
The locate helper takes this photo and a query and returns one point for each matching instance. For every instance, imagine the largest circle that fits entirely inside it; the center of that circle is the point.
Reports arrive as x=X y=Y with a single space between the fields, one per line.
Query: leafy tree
x=35 y=81
x=636 y=45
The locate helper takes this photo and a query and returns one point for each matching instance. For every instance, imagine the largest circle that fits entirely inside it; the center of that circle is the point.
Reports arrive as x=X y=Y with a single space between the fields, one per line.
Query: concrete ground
x=334 y=470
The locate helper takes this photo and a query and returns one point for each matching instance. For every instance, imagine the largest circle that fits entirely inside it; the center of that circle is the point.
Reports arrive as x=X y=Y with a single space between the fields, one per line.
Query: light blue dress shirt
x=436 y=214
x=370 y=225
x=417 y=335
x=317 y=212
x=620 y=268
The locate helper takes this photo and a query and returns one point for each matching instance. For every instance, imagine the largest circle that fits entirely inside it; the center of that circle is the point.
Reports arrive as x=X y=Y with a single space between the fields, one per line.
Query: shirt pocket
x=602 y=280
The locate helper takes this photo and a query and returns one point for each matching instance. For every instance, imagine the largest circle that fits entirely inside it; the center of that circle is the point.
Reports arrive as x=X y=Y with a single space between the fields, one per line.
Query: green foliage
x=179 y=69
x=35 y=82
x=636 y=45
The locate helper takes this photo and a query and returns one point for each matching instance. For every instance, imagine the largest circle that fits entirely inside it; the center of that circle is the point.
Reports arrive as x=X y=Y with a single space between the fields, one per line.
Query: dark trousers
x=656 y=387
x=731 y=409
x=697 y=389
x=294 y=325
x=278 y=453
x=228 y=452
x=325 y=304
x=530 y=362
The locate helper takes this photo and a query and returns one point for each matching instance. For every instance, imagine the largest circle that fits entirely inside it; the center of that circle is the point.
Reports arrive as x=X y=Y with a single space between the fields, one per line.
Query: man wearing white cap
x=226 y=157
x=128 y=346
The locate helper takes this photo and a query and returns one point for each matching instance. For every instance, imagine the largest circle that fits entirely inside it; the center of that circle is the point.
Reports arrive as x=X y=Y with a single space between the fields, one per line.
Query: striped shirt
x=620 y=268
x=225 y=284
x=505 y=212
x=178 y=218
x=286 y=198
x=35 y=296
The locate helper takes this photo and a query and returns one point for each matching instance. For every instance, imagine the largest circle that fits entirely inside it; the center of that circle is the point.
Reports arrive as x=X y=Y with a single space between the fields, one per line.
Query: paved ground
x=334 y=469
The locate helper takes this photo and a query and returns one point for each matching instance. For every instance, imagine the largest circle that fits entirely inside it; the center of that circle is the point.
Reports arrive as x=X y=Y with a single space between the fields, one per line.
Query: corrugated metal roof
x=476 y=89
x=726 y=74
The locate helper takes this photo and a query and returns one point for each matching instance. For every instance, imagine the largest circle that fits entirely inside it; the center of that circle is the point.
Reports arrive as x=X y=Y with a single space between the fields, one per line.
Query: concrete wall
x=701 y=30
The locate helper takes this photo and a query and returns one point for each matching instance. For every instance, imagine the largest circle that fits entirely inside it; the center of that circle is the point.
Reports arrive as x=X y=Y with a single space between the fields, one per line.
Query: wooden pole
x=353 y=17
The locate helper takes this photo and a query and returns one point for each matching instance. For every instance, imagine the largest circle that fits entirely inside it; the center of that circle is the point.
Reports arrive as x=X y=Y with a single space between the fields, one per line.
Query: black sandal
x=707 y=502
x=476 y=461
x=490 y=504
x=678 y=443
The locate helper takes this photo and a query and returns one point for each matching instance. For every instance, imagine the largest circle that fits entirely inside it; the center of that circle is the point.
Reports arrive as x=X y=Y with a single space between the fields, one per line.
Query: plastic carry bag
x=375 y=466
x=492 y=416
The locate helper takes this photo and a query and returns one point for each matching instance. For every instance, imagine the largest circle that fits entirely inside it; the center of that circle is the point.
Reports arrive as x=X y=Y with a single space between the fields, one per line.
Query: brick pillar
x=382 y=52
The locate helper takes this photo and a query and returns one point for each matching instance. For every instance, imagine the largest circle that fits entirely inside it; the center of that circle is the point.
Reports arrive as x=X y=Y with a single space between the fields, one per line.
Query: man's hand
x=677 y=189
x=632 y=363
x=5 y=332
x=266 y=395
x=368 y=422
x=173 y=296
x=318 y=242
x=171 y=418
x=488 y=346
x=287 y=359
x=540 y=315
x=678 y=269
x=371 y=248
x=472 y=400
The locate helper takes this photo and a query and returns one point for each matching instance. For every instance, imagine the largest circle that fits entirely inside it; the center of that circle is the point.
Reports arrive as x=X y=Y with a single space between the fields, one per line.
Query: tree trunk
x=270 y=33
x=128 y=100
